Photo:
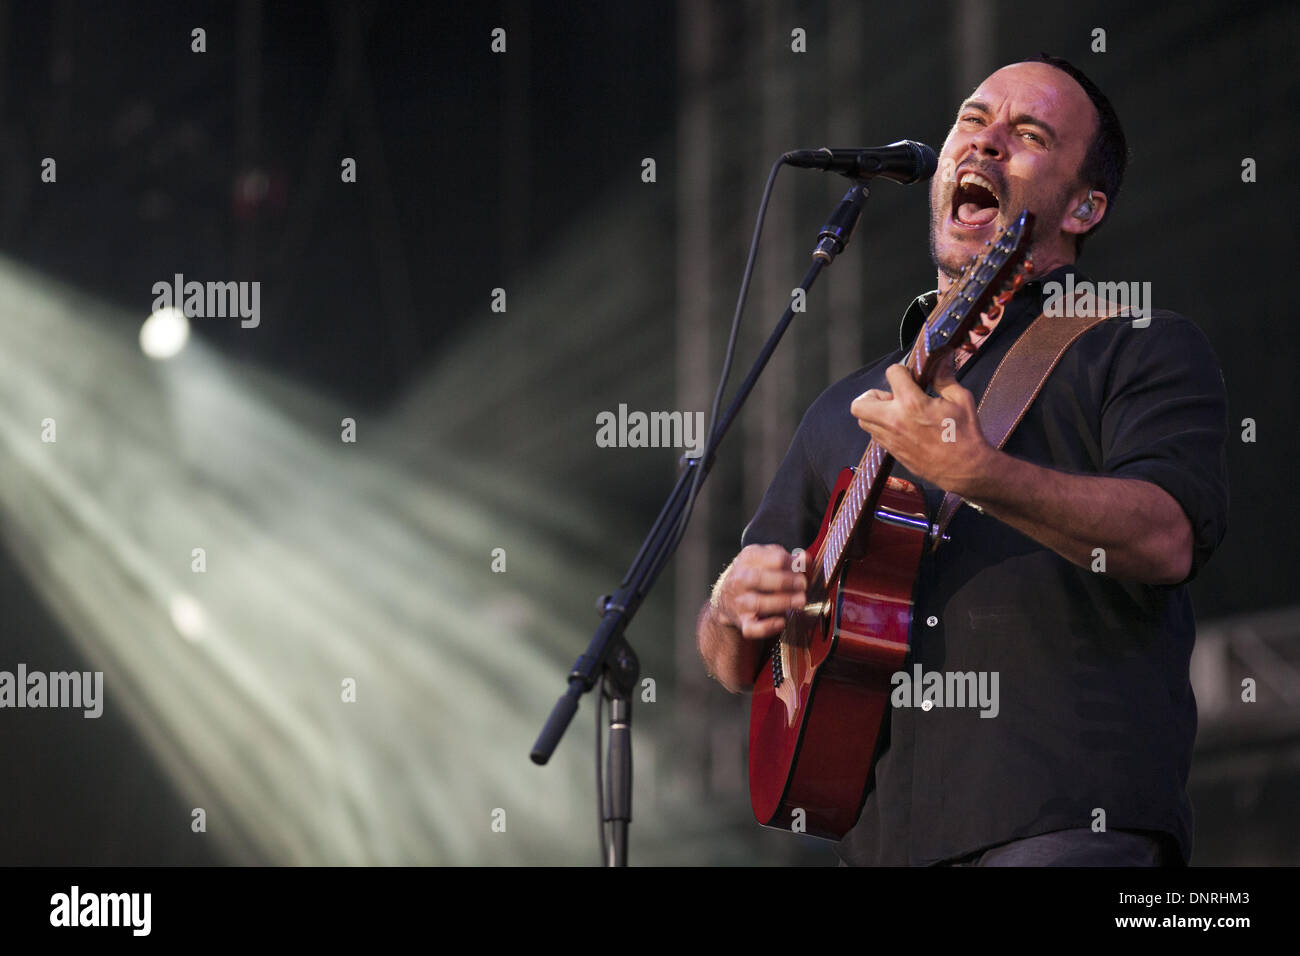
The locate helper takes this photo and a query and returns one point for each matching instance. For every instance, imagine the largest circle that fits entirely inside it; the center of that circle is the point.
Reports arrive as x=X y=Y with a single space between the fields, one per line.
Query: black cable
x=711 y=445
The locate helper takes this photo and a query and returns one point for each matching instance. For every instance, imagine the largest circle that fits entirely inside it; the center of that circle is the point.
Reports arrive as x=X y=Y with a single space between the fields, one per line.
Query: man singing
x=1121 y=455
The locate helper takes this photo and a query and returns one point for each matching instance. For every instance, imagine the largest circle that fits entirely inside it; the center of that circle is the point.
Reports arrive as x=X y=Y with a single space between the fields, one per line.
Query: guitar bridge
x=777 y=676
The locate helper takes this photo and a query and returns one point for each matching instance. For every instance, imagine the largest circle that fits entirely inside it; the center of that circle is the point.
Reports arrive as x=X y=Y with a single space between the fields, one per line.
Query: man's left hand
x=938 y=439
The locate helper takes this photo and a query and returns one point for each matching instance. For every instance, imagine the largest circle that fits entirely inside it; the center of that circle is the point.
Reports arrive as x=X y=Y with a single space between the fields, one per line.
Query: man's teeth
x=975 y=179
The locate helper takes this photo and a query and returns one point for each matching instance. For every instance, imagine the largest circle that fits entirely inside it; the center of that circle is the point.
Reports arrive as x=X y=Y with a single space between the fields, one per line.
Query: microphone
x=906 y=161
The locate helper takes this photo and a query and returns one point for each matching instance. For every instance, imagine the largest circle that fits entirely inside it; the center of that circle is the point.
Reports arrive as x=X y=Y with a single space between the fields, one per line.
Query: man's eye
x=970 y=119
x=1035 y=136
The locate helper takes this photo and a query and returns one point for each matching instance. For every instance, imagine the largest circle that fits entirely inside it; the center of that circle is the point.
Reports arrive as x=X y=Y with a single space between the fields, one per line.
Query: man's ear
x=1088 y=210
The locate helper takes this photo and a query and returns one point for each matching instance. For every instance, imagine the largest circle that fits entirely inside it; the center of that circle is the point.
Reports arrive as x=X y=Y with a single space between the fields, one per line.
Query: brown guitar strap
x=1018 y=379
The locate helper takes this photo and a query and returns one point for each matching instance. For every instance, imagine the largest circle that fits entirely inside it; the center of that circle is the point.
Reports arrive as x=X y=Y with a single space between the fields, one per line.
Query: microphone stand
x=609 y=657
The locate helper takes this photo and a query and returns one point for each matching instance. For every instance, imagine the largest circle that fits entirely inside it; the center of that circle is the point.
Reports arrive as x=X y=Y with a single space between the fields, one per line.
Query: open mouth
x=975 y=201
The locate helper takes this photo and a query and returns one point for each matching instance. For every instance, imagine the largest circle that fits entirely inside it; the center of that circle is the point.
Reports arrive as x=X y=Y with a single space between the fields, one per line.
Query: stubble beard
x=951 y=264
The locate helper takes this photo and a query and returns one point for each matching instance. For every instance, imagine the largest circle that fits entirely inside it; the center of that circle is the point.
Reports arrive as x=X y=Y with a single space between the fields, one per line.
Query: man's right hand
x=749 y=605
x=758 y=590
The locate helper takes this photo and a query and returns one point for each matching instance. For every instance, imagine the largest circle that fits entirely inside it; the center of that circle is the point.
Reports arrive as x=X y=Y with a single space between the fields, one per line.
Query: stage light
x=164 y=333
x=347 y=676
x=187 y=617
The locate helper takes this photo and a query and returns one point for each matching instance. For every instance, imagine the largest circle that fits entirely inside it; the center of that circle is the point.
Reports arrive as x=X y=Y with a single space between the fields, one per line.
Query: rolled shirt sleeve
x=1165 y=420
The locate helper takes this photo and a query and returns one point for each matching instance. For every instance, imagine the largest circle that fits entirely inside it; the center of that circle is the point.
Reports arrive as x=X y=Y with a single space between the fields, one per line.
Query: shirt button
x=931 y=621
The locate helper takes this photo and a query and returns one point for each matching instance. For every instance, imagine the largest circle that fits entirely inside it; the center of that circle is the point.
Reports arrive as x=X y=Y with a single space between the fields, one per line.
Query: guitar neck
x=868 y=481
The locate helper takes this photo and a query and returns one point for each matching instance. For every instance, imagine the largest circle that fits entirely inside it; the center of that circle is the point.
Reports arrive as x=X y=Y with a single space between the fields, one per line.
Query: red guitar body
x=820 y=698
x=846 y=645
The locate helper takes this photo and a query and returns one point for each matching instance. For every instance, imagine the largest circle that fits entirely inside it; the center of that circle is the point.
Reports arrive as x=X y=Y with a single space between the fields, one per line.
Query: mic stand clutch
x=609 y=656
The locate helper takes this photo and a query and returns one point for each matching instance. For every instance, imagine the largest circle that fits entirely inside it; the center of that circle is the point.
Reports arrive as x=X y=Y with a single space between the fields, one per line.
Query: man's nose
x=988 y=141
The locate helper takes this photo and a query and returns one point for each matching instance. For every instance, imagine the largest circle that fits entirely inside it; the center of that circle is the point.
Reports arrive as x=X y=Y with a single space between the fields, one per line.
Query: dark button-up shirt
x=1095 y=717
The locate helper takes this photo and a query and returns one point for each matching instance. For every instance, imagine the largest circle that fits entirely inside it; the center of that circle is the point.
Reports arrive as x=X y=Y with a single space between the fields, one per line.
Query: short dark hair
x=1107 y=157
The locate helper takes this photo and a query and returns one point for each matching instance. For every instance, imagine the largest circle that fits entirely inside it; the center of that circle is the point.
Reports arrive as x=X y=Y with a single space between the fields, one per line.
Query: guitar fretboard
x=868 y=479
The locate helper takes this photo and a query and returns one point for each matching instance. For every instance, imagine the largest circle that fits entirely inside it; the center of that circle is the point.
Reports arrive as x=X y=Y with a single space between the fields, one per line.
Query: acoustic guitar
x=819 y=698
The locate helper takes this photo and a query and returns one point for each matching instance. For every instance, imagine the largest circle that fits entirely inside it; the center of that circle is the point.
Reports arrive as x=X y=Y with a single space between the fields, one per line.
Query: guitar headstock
x=980 y=292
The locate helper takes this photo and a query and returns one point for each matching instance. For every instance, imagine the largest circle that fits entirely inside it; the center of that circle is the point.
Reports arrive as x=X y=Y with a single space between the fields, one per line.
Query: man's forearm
x=728 y=656
x=1142 y=530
